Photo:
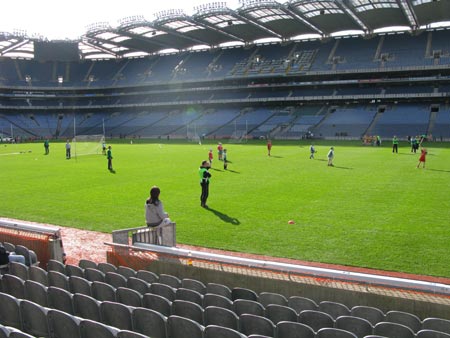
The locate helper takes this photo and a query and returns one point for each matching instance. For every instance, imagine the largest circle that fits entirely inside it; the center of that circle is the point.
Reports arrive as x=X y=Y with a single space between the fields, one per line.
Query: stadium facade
x=119 y=81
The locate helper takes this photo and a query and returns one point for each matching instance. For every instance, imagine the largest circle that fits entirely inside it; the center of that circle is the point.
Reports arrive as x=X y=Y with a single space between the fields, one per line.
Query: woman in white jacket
x=154 y=210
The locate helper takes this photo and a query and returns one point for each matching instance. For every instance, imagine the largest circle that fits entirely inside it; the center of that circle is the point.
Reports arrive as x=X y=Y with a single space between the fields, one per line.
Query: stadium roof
x=215 y=25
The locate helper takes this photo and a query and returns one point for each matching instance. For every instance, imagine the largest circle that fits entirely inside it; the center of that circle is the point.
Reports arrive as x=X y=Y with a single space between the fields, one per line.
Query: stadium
x=360 y=251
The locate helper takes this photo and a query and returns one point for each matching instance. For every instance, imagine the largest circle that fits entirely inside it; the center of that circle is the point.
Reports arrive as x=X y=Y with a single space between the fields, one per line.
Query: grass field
x=373 y=209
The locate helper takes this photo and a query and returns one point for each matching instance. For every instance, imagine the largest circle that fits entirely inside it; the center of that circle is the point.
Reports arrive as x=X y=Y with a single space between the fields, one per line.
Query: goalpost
x=87 y=145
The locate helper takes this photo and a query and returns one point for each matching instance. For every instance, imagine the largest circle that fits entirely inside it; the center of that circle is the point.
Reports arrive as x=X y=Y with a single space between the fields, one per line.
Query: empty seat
x=334 y=309
x=13 y=285
x=189 y=295
x=60 y=299
x=138 y=285
x=266 y=298
x=243 y=293
x=149 y=322
x=106 y=267
x=211 y=299
x=294 y=330
x=86 y=307
x=54 y=265
x=241 y=306
x=164 y=290
x=62 y=324
x=126 y=271
x=34 y=319
x=330 y=332
x=9 y=246
x=116 y=280
x=193 y=284
x=116 y=314
x=4 y=332
x=392 y=330
x=148 y=276
x=94 y=275
x=372 y=314
x=19 y=334
x=38 y=275
x=18 y=269
x=36 y=292
x=80 y=285
x=157 y=303
x=73 y=270
x=218 y=289
x=10 y=311
x=436 y=324
x=128 y=297
x=86 y=263
x=129 y=334
x=93 y=329
x=300 y=304
x=252 y=324
x=432 y=334
x=404 y=318
x=187 y=309
x=279 y=313
x=58 y=280
x=103 y=292
x=214 y=315
x=170 y=280
x=215 y=331
x=359 y=326
x=316 y=319
x=180 y=327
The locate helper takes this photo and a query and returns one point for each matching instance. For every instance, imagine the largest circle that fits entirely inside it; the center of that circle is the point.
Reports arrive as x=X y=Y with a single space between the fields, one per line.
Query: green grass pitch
x=373 y=209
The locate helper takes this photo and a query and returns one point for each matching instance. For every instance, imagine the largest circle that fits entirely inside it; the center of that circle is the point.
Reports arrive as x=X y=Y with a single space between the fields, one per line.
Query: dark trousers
x=110 y=164
x=395 y=148
x=205 y=193
x=67 y=153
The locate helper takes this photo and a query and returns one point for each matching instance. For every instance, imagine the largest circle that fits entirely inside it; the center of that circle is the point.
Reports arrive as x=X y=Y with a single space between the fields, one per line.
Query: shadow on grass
x=274 y=156
x=224 y=217
x=233 y=171
x=444 y=171
x=336 y=166
x=215 y=169
x=112 y=171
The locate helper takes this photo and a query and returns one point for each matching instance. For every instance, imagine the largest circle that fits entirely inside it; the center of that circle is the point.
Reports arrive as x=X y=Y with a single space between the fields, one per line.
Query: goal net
x=87 y=145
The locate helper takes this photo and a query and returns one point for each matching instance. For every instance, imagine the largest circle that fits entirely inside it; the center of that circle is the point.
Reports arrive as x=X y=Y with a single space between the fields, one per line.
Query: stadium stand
x=29 y=305
x=138 y=98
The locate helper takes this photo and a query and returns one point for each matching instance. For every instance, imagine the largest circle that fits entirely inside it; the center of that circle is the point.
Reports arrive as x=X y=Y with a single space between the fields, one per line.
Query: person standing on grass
x=220 y=151
x=210 y=157
x=109 y=158
x=154 y=210
x=422 y=158
x=205 y=176
x=68 y=155
x=225 y=159
x=330 y=157
x=269 y=146
x=312 y=151
x=395 y=144
x=47 y=146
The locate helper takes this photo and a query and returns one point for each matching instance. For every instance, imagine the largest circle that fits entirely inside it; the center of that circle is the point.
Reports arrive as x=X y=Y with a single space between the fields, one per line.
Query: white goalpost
x=87 y=145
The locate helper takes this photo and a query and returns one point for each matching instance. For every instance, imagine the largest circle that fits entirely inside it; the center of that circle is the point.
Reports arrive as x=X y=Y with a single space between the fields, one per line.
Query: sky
x=63 y=19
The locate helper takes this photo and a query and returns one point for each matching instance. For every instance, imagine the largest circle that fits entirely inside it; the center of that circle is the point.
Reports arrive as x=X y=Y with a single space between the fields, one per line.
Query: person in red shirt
x=220 y=151
x=210 y=156
x=269 y=146
x=422 y=158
